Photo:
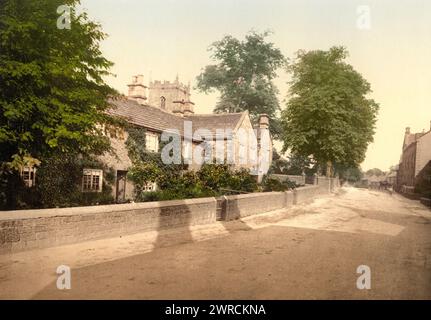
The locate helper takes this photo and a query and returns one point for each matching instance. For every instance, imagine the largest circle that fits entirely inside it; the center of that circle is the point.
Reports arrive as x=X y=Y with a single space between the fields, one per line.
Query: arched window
x=162 y=102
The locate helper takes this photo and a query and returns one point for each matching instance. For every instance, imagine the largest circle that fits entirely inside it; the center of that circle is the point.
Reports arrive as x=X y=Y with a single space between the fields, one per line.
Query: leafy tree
x=293 y=165
x=350 y=174
x=375 y=172
x=243 y=75
x=52 y=93
x=279 y=164
x=328 y=114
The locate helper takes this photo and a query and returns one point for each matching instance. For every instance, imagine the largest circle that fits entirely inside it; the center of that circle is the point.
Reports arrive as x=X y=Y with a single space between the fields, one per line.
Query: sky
x=389 y=43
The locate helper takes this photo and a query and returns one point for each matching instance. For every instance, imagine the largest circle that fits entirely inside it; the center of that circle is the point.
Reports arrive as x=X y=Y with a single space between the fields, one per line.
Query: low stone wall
x=28 y=229
x=244 y=205
x=307 y=194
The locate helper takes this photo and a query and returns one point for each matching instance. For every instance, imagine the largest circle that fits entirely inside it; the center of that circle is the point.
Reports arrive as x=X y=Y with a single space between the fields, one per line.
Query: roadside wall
x=244 y=205
x=33 y=229
x=29 y=229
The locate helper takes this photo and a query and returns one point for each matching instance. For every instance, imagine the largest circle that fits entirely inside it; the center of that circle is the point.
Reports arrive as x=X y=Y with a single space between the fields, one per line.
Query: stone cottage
x=166 y=107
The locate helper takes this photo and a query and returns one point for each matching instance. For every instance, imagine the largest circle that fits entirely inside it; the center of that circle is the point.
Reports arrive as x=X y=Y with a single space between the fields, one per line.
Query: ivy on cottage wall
x=147 y=166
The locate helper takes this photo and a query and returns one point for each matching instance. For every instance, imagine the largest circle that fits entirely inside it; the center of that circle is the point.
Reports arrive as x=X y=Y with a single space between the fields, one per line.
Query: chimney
x=188 y=108
x=137 y=89
x=408 y=130
x=178 y=109
x=263 y=121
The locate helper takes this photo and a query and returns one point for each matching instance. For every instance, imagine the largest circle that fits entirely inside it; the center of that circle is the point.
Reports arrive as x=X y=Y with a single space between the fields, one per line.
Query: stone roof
x=411 y=138
x=213 y=122
x=159 y=120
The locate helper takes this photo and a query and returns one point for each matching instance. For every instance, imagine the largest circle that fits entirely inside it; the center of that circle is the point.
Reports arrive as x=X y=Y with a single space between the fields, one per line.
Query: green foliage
x=58 y=184
x=148 y=167
x=52 y=93
x=328 y=114
x=219 y=177
x=243 y=75
x=271 y=184
x=351 y=175
x=293 y=165
x=375 y=172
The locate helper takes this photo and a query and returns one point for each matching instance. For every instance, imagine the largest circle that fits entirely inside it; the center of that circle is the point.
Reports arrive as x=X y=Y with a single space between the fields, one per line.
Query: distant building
x=391 y=176
x=416 y=154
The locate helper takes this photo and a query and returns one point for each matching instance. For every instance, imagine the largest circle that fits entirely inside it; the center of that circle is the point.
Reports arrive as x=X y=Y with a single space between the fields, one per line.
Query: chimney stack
x=408 y=130
x=263 y=121
x=178 y=109
x=137 y=89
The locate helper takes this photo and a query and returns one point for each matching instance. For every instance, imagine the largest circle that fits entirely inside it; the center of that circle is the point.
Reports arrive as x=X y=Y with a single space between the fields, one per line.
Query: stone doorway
x=121 y=186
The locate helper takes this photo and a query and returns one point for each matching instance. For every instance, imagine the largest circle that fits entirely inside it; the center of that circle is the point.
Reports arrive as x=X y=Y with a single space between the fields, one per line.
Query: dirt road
x=309 y=252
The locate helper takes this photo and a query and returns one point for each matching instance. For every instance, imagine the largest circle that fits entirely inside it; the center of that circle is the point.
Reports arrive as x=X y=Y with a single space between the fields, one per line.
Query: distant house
x=391 y=176
x=168 y=108
x=416 y=154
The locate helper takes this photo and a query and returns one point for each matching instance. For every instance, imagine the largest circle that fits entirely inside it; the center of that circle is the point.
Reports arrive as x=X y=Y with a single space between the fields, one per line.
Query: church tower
x=171 y=96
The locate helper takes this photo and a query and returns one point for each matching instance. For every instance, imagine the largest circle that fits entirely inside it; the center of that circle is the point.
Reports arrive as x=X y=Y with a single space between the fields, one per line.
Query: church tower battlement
x=171 y=96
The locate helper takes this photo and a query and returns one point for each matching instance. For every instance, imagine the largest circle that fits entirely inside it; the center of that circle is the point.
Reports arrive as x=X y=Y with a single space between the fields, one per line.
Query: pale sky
x=160 y=38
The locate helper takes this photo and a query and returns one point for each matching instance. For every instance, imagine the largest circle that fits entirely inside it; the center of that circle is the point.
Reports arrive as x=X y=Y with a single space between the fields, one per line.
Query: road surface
x=309 y=252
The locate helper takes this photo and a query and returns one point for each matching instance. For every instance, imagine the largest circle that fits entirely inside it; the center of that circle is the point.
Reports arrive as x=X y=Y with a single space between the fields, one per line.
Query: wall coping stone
x=72 y=211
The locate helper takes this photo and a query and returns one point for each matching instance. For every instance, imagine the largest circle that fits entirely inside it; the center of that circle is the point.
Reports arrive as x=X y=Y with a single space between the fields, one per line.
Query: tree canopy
x=244 y=75
x=52 y=93
x=328 y=116
x=375 y=172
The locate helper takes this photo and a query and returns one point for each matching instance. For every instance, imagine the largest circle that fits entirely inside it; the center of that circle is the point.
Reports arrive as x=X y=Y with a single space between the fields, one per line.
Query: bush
x=211 y=180
x=271 y=184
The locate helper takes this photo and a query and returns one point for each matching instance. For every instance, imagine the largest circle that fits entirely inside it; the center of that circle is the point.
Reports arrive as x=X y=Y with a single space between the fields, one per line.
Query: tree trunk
x=329 y=169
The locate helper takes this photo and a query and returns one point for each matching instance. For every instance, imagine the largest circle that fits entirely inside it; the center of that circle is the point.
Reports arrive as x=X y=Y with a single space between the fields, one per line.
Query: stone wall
x=237 y=206
x=28 y=229
x=31 y=229
x=307 y=194
x=243 y=205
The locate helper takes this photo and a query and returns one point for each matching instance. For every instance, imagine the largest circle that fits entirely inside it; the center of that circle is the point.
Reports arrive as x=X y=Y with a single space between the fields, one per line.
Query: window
x=151 y=141
x=92 y=180
x=150 y=186
x=162 y=102
x=28 y=175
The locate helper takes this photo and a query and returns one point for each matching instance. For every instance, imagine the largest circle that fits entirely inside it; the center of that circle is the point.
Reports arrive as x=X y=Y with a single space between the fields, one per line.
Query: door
x=121 y=186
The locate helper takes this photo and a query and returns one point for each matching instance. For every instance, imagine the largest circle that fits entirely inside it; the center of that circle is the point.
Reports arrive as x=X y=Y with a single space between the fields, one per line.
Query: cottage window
x=150 y=186
x=151 y=141
x=92 y=180
x=162 y=102
x=28 y=175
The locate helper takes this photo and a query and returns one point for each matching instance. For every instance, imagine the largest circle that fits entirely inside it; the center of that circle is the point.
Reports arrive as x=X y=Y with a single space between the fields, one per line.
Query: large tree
x=52 y=92
x=243 y=75
x=329 y=116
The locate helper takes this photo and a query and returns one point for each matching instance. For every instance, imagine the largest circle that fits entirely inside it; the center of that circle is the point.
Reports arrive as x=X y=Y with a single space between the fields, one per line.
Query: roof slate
x=160 y=120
